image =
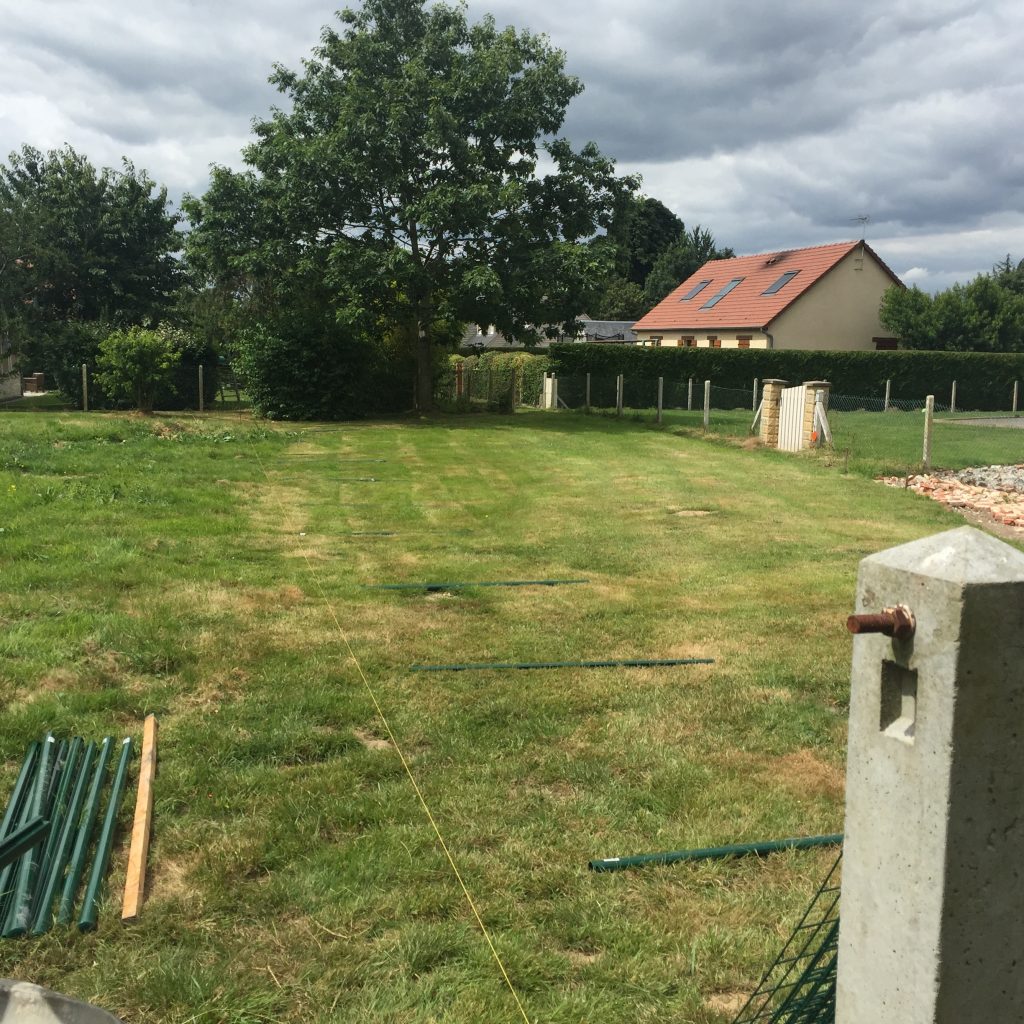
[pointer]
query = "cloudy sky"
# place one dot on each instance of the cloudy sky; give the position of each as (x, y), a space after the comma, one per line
(775, 125)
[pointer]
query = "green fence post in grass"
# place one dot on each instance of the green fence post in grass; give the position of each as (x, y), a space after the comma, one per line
(87, 918)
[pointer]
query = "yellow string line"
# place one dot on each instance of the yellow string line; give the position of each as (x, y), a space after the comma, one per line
(405, 763)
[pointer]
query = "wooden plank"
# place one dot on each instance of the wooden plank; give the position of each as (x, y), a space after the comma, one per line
(135, 882)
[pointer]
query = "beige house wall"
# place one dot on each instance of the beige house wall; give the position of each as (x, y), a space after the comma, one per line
(702, 338)
(838, 312)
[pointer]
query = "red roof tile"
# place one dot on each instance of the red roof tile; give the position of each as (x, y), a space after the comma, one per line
(747, 305)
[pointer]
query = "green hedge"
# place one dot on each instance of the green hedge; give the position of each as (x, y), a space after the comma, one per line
(984, 380)
(526, 370)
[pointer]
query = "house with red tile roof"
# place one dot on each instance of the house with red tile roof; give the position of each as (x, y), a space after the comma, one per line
(824, 297)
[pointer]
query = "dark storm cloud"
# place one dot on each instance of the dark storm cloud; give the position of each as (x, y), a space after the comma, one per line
(774, 125)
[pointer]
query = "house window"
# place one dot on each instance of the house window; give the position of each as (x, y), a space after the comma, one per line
(656, 341)
(743, 341)
(695, 290)
(885, 344)
(721, 294)
(781, 282)
(689, 342)
(714, 342)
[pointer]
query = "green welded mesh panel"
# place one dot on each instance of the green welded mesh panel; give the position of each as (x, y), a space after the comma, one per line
(800, 987)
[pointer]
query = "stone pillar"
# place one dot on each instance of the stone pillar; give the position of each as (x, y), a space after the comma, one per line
(812, 387)
(932, 919)
(771, 396)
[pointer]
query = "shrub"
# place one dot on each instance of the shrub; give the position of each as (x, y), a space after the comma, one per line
(136, 363)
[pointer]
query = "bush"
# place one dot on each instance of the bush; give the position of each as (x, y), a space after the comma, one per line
(136, 363)
(521, 374)
(984, 380)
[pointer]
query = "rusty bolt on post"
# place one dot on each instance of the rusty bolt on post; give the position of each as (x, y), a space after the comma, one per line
(898, 622)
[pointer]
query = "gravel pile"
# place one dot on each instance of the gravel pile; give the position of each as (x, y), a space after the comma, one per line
(993, 492)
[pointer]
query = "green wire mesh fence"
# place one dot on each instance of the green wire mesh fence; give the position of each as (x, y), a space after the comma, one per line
(800, 986)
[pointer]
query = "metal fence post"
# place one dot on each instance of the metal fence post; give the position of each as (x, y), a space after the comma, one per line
(952, 399)
(707, 404)
(888, 395)
(929, 422)
(85, 388)
(202, 396)
(661, 394)
(689, 395)
(587, 403)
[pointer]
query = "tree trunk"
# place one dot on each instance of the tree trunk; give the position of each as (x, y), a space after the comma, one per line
(424, 372)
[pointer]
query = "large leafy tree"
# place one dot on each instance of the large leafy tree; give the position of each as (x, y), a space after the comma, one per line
(80, 248)
(984, 315)
(418, 169)
(690, 251)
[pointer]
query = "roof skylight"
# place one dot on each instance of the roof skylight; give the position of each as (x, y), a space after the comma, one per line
(715, 299)
(695, 290)
(781, 282)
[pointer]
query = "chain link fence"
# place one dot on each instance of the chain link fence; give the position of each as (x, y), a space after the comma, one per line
(873, 434)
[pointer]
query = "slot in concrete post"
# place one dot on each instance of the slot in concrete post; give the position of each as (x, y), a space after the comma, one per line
(689, 395)
(771, 398)
(202, 396)
(85, 388)
(661, 395)
(620, 387)
(932, 914)
(707, 404)
(888, 395)
(952, 398)
(929, 425)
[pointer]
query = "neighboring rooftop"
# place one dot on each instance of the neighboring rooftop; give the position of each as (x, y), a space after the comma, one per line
(749, 291)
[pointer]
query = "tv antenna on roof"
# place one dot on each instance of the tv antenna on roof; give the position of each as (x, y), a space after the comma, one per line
(863, 220)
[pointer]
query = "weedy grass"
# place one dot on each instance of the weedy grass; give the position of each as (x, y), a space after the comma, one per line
(214, 571)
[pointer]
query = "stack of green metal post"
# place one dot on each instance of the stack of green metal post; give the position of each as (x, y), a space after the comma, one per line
(46, 836)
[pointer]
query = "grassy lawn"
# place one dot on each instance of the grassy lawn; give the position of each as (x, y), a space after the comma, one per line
(214, 571)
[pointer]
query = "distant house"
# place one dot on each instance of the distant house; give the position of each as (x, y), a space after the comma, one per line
(825, 297)
(607, 332)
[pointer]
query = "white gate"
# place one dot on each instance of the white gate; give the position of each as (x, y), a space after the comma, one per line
(791, 418)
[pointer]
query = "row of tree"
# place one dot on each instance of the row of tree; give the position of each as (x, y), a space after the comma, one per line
(413, 181)
(985, 315)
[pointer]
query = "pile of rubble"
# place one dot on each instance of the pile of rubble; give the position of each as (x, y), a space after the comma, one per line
(987, 491)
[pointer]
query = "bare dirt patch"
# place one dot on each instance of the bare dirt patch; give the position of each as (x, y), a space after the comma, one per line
(805, 773)
(370, 741)
(727, 1002)
(691, 513)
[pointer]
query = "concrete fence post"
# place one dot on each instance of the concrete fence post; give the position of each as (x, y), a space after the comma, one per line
(707, 404)
(952, 398)
(932, 914)
(661, 395)
(1016, 395)
(620, 387)
(888, 395)
(929, 425)
(753, 406)
(689, 395)
(85, 388)
(587, 401)
(458, 379)
(202, 393)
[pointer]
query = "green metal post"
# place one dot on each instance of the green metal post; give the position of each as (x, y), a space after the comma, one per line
(59, 858)
(715, 852)
(26, 837)
(20, 909)
(13, 814)
(87, 918)
(84, 834)
(56, 812)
